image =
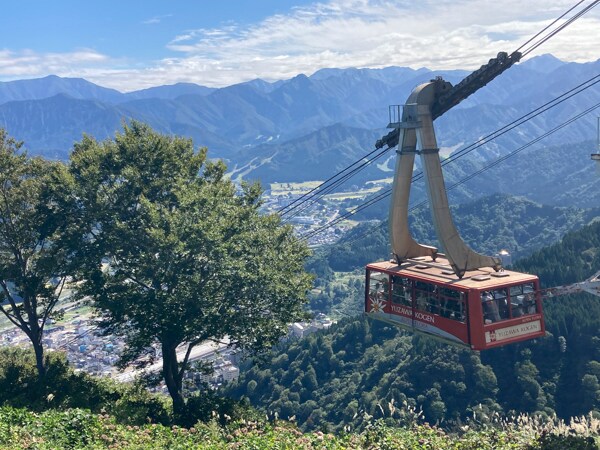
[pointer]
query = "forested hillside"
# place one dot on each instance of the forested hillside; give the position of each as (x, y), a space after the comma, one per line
(575, 258)
(331, 378)
(487, 225)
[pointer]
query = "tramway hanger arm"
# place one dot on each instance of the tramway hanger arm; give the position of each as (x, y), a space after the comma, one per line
(414, 133)
(451, 97)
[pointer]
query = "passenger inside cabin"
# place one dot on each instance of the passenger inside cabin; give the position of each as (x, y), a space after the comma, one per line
(517, 305)
(529, 305)
(400, 293)
(491, 312)
(441, 307)
(382, 290)
(422, 302)
(501, 300)
(373, 292)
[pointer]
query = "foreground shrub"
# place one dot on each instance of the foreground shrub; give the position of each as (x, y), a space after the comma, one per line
(62, 388)
(83, 430)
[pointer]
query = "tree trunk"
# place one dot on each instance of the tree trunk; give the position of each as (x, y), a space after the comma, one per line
(38, 348)
(173, 380)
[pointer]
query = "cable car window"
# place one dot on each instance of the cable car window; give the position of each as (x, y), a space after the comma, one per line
(426, 296)
(451, 304)
(378, 286)
(401, 290)
(522, 300)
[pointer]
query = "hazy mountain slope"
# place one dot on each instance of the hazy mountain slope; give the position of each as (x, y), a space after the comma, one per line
(237, 119)
(487, 225)
(171, 91)
(467, 124)
(41, 88)
(50, 126)
(174, 117)
(314, 156)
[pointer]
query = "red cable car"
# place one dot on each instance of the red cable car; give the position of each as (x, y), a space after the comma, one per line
(483, 309)
(461, 296)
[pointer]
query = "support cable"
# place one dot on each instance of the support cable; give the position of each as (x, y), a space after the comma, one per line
(329, 184)
(387, 192)
(314, 191)
(561, 27)
(325, 190)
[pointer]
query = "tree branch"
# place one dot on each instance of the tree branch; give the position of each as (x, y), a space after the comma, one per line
(140, 283)
(22, 324)
(10, 224)
(62, 285)
(10, 316)
(49, 307)
(191, 345)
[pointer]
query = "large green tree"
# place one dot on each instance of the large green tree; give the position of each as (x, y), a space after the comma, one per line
(34, 264)
(175, 256)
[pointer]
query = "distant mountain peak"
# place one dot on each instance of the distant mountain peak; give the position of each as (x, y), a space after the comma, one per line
(545, 63)
(50, 85)
(300, 81)
(170, 92)
(300, 77)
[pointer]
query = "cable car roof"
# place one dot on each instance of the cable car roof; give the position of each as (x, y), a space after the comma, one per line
(440, 272)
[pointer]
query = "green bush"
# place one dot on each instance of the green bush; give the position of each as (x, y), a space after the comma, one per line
(19, 382)
(62, 388)
(564, 442)
(207, 406)
(79, 429)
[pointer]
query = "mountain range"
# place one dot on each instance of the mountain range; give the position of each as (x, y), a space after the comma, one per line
(307, 127)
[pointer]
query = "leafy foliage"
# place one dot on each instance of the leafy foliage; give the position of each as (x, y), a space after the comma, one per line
(174, 256)
(79, 429)
(34, 262)
(62, 388)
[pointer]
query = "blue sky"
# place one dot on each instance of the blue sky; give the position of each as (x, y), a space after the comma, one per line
(134, 44)
(125, 28)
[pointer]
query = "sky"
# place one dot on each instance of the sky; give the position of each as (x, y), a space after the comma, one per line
(136, 44)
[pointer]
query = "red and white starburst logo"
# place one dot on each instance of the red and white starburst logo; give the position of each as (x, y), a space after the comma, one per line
(377, 305)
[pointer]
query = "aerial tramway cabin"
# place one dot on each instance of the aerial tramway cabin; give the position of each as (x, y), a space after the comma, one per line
(459, 296)
(484, 309)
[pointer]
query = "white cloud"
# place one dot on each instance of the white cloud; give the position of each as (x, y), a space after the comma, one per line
(439, 34)
(28, 64)
(156, 19)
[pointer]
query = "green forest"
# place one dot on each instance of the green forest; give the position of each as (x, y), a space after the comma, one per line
(361, 368)
(488, 225)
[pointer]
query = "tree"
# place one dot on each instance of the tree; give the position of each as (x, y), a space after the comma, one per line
(174, 256)
(33, 225)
